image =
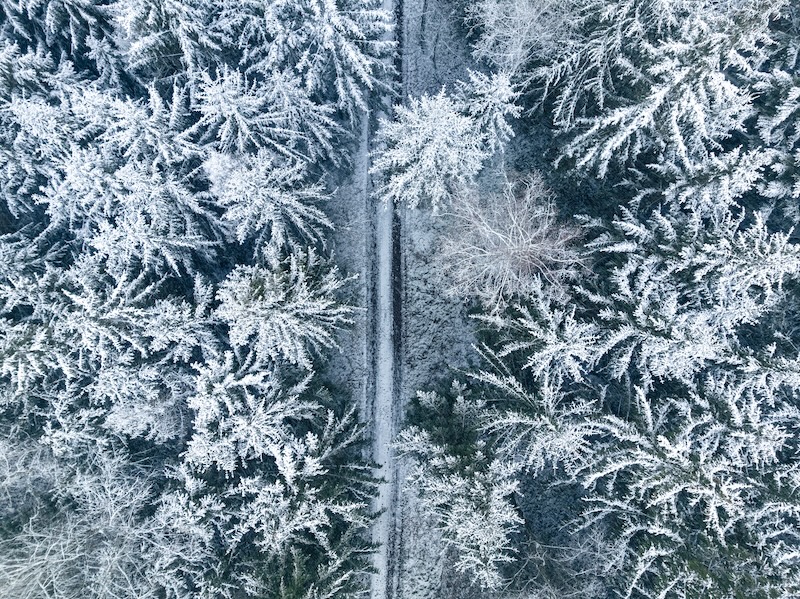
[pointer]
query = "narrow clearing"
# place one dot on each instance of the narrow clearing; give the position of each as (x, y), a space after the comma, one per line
(405, 285)
(385, 344)
(384, 406)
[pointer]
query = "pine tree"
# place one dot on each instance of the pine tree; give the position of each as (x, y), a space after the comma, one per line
(268, 200)
(779, 113)
(636, 83)
(432, 153)
(337, 48)
(467, 492)
(284, 312)
(184, 447)
(659, 385)
(76, 28)
(240, 417)
(243, 115)
(164, 41)
(686, 455)
(288, 491)
(490, 101)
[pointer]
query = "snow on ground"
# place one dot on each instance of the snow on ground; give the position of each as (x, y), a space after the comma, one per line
(437, 336)
(351, 244)
(362, 246)
(385, 408)
(435, 46)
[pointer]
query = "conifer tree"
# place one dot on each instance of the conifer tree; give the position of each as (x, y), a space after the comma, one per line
(432, 153)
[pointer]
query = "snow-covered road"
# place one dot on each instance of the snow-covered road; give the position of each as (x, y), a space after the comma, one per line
(385, 406)
(385, 409)
(405, 284)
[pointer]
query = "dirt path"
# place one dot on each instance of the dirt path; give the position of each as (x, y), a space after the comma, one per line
(385, 409)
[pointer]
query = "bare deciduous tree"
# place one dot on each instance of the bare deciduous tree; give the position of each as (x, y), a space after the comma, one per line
(507, 243)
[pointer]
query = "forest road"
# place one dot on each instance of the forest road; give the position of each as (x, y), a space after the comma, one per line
(385, 410)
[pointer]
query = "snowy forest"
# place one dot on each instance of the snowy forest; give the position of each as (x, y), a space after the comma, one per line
(399, 299)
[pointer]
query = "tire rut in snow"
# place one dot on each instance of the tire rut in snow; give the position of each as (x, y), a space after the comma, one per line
(386, 336)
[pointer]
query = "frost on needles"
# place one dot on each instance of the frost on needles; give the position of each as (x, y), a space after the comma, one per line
(166, 298)
(633, 430)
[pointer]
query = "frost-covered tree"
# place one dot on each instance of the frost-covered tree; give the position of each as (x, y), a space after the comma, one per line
(285, 312)
(306, 123)
(712, 190)
(503, 245)
(95, 165)
(663, 383)
(35, 126)
(164, 434)
(650, 81)
(163, 39)
(339, 48)
(711, 469)
(684, 289)
(288, 491)
(240, 417)
(96, 536)
(490, 101)
(232, 112)
(79, 29)
(429, 154)
(243, 115)
(466, 491)
(690, 456)
(662, 387)
(514, 35)
(268, 200)
(778, 104)
(98, 357)
(147, 130)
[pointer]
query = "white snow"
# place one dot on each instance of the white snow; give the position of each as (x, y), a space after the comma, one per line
(384, 405)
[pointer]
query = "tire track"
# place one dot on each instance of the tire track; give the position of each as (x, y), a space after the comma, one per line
(386, 335)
